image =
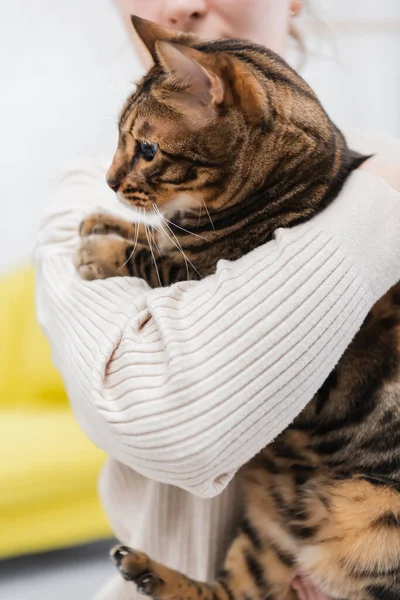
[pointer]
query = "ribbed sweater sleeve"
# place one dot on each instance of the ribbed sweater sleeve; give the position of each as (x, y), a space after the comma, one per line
(185, 384)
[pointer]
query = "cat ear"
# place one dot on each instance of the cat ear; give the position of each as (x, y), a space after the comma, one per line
(195, 69)
(253, 99)
(149, 32)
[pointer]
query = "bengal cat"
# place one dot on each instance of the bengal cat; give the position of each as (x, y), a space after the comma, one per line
(227, 140)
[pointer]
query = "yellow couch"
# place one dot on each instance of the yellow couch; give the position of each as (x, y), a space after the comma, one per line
(48, 469)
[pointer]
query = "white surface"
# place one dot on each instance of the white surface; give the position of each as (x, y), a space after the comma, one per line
(66, 68)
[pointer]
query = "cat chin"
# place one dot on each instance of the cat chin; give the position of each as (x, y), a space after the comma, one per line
(145, 217)
(182, 201)
(140, 215)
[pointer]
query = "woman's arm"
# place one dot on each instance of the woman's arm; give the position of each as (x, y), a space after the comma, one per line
(185, 384)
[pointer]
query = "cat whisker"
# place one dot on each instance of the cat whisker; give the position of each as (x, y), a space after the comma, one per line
(209, 216)
(154, 240)
(152, 254)
(162, 230)
(185, 230)
(176, 244)
(137, 225)
(198, 222)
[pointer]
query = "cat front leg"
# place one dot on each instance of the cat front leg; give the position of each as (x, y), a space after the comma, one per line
(103, 256)
(104, 224)
(250, 573)
(160, 582)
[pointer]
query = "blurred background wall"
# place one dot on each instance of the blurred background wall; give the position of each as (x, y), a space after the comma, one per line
(66, 68)
(354, 61)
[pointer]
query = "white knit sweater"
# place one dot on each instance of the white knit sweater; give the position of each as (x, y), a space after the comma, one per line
(183, 385)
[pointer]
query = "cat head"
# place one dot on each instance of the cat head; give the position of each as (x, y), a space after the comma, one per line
(208, 122)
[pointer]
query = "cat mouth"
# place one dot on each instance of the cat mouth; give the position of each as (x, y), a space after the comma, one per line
(180, 201)
(133, 201)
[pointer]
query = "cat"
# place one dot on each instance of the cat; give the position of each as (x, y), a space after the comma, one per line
(226, 143)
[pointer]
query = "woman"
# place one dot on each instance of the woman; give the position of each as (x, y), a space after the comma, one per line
(182, 386)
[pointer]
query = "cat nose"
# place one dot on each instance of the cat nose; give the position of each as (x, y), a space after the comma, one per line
(113, 184)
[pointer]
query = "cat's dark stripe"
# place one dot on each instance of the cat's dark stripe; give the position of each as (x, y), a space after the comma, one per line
(148, 267)
(135, 198)
(357, 571)
(145, 268)
(199, 162)
(381, 592)
(256, 571)
(161, 273)
(190, 175)
(128, 260)
(306, 468)
(199, 588)
(300, 477)
(389, 322)
(375, 480)
(156, 172)
(388, 519)
(384, 467)
(142, 91)
(299, 513)
(302, 531)
(389, 442)
(269, 464)
(325, 391)
(283, 556)
(248, 529)
(285, 450)
(223, 583)
(332, 445)
(355, 416)
(277, 497)
(174, 270)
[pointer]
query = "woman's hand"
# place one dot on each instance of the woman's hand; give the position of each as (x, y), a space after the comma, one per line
(386, 169)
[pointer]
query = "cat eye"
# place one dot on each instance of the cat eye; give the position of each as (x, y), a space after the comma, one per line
(147, 151)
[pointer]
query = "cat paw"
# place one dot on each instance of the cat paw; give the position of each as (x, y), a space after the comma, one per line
(102, 256)
(135, 566)
(104, 224)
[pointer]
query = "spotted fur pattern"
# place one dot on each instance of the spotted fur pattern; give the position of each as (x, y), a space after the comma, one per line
(229, 142)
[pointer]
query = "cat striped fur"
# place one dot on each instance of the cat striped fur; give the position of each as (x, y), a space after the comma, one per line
(225, 143)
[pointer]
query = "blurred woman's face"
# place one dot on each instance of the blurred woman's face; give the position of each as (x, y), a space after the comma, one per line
(262, 21)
